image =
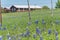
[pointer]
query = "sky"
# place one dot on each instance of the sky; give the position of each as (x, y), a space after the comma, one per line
(7, 3)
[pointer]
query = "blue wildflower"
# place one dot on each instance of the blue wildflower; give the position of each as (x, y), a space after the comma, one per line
(4, 28)
(0, 28)
(56, 37)
(14, 27)
(9, 38)
(34, 36)
(29, 23)
(22, 34)
(0, 37)
(27, 33)
(57, 21)
(56, 33)
(37, 31)
(41, 38)
(36, 22)
(8, 35)
(49, 31)
(27, 29)
(43, 22)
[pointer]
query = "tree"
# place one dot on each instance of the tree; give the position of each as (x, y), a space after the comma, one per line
(45, 7)
(58, 4)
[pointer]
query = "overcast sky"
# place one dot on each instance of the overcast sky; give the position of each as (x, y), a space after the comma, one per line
(7, 3)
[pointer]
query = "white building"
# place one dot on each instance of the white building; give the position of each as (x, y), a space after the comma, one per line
(24, 7)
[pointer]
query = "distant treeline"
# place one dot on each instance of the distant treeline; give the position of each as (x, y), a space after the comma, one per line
(5, 10)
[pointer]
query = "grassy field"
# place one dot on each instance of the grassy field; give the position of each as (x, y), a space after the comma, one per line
(15, 24)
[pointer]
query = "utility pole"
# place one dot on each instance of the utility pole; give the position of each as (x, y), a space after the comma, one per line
(0, 15)
(29, 11)
(52, 8)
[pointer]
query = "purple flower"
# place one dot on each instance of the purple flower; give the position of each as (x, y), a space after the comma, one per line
(22, 34)
(43, 22)
(14, 27)
(36, 22)
(27, 29)
(27, 33)
(0, 37)
(4, 28)
(8, 35)
(57, 21)
(9, 38)
(37, 30)
(56, 33)
(56, 37)
(29, 23)
(41, 38)
(0, 28)
(49, 31)
(34, 36)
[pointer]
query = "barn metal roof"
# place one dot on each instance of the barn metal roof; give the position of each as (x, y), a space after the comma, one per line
(26, 6)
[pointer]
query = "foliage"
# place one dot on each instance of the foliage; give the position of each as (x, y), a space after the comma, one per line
(58, 4)
(45, 7)
(5, 10)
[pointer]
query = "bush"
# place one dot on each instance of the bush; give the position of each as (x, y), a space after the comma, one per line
(45, 7)
(58, 4)
(5, 10)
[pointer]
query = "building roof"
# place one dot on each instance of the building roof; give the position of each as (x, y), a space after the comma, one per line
(26, 6)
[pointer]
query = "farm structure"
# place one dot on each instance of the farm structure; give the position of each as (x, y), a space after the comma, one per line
(23, 8)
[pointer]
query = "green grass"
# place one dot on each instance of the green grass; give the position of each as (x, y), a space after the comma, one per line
(20, 20)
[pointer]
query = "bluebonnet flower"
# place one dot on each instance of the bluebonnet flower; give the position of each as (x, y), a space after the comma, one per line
(27, 29)
(0, 37)
(27, 33)
(34, 35)
(49, 31)
(8, 35)
(57, 21)
(36, 22)
(29, 23)
(0, 28)
(4, 28)
(41, 38)
(56, 33)
(22, 34)
(43, 22)
(14, 27)
(56, 37)
(38, 31)
(9, 38)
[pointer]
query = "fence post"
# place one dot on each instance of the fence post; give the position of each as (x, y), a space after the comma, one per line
(0, 15)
